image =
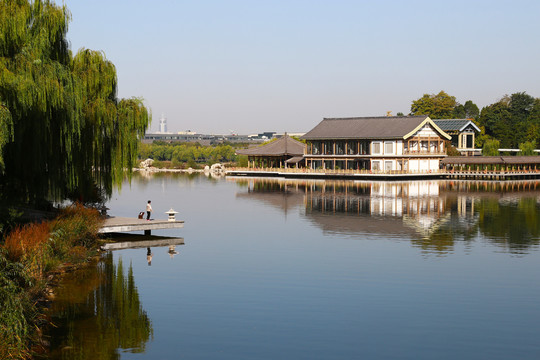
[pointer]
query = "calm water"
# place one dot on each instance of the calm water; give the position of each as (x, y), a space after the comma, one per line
(315, 270)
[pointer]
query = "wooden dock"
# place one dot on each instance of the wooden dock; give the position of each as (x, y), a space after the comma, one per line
(124, 224)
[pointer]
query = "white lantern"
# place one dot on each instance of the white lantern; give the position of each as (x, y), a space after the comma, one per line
(172, 214)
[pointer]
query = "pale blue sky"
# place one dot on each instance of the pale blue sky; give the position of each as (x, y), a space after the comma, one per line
(252, 66)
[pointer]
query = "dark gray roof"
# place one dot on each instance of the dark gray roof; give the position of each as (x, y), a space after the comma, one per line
(454, 124)
(503, 160)
(381, 127)
(295, 160)
(284, 145)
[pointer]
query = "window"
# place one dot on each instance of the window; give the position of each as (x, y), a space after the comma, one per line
(388, 148)
(376, 146)
(328, 148)
(340, 148)
(352, 147)
(316, 148)
(470, 142)
(376, 165)
(388, 165)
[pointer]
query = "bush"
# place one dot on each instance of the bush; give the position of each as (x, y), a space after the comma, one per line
(27, 254)
(28, 245)
(16, 309)
(77, 226)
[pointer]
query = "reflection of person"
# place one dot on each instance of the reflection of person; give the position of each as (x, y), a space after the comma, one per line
(149, 256)
(148, 209)
(172, 251)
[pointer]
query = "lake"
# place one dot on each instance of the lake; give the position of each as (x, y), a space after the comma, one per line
(274, 268)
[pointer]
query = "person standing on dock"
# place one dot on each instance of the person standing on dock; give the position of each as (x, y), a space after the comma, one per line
(148, 209)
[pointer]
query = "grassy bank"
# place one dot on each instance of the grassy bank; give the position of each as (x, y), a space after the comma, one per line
(29, 255)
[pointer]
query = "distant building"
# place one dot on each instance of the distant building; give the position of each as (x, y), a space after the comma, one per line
(203, 139)
(163, 124)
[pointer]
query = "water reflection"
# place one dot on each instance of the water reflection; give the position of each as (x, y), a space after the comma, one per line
(434, 215)
(96, 312)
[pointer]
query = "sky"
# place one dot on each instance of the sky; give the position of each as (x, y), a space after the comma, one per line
(248, 66)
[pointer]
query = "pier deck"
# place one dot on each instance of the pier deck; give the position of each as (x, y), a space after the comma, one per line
(116, 224)
(351, 175)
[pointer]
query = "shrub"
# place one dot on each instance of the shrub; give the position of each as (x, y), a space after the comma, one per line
(28, 245)
(16, 309)
(76, 226)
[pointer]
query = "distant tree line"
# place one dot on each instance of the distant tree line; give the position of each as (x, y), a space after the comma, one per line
(189, 154)
(512, 122)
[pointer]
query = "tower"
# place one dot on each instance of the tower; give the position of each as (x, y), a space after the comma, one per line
(162, 124)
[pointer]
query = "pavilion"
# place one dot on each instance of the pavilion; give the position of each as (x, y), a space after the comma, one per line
(282, 152)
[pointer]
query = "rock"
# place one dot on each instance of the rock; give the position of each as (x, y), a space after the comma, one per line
(218, 168)
(146, 163)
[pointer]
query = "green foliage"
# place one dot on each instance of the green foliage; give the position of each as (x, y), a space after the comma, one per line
(443, 106)
(491, 147)
(188, 154)
(467, 111)
(527, 148)
(16, 309)
(436, 106)
(242, 161)
(512, 120)
(26, 256)
(451, 150)
(61, 109)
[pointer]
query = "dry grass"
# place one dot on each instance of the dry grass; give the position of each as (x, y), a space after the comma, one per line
(28, 245)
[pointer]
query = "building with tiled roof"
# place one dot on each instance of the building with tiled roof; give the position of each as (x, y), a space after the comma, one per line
(388, 143)
(463, 133)
(277, 153)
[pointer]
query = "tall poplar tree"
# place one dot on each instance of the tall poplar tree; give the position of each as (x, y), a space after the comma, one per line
(63, 130)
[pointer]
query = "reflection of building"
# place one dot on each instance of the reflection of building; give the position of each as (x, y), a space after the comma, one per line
(433, 215)
(377, 207)
(390, 143)
(418, 204)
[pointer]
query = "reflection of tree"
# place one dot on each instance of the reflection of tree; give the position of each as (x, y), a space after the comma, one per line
(454, 228)
(98, 311)
(513, 224)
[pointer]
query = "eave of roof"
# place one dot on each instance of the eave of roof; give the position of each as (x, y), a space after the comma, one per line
(454, 124)
(432, 123)
(280, 147)
(382, 127)
(478, 160)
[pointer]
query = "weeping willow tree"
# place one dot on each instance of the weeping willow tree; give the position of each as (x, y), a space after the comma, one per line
(63, 130)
